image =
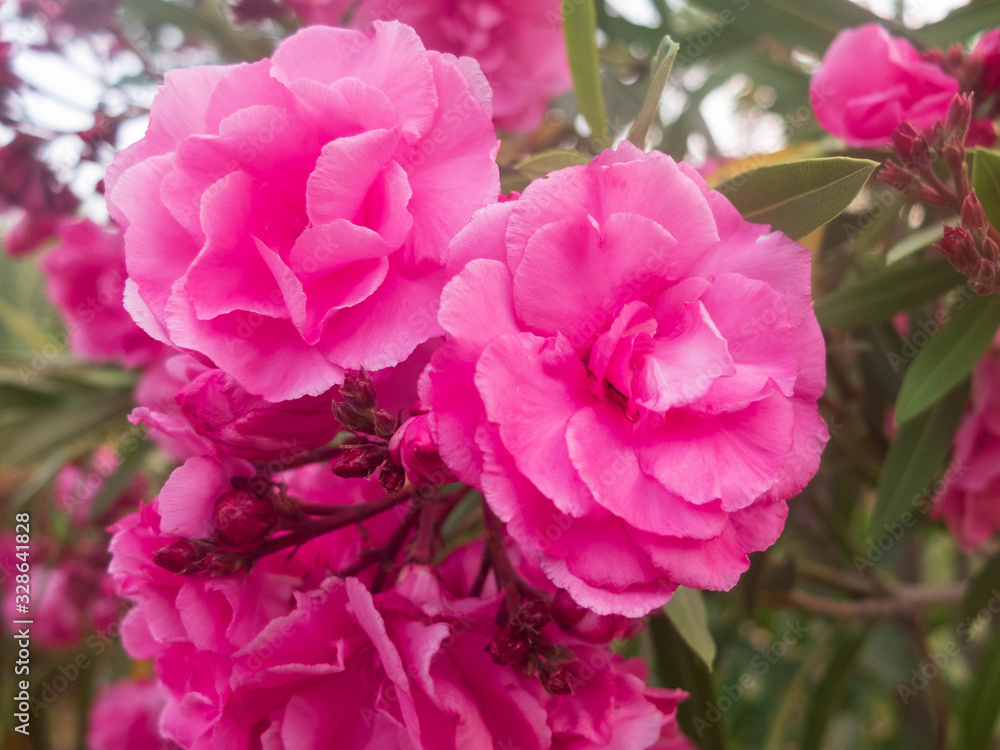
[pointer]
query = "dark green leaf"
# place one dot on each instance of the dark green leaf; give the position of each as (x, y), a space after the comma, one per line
(799, 196)
(663, 63)
(982, 587)
(986, 181)
(882, 295)
(686, 610)
(982, 703)
(580, 28)
(824, 698)
(915, 457)
(680, 667)
(912, 243)
(949, 356)
(961, 24)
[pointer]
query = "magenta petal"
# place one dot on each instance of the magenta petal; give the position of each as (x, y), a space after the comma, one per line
(531, 387)
(188, 498)
(752, 444)
(635, 318)
(603, 448)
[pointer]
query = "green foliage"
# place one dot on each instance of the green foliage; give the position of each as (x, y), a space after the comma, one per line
(686, 611)
(986, 182)
(800, 196)
(580, 27)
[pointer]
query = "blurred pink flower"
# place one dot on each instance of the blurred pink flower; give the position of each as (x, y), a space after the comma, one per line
(968, 498)
(870, 82)
(85, 276)
(631, 377)
(125, 716)
(290, 219)
(519, 46)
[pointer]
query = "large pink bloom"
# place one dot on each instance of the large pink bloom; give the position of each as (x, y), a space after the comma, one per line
(520, 46)
(870, 82)
(289, 219)
(631, 377)
(124, 717)
(85, 276)
(969, 499)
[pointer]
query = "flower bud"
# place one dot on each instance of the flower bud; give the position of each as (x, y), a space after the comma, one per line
(353, 420)
(973, 216)
(911, 147)
(182, 556)
(413, 447)
(391, 477)
(959, 116)
(384, 423)
(358, 391)
(242, 519)
(960, 249)
(223, 563)
(359, 461)
(556, 680)
(535, 614)
(509, 645)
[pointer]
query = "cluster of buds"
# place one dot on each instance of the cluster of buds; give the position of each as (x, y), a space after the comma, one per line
(977, 73)
(519, 643)
(369, 452)
(972, 247)
(242, 520)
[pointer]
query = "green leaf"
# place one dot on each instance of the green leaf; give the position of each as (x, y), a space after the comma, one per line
(540, 164)
(799, 196)
(686, 610)
(961, 24)
(949, 356)
(663, 63)
(913, 243)
(883, 294)
(824, 698)
(580, 28)
(982, 703)
(680, 667)
(796, 23)
(982, 587)
(915, 457)
(986, 181)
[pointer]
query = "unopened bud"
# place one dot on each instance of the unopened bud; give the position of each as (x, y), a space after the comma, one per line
(385, 424)
(242, 519)
(556, 680)
(899, 179)
(959, 116)
(509, 645)
(534, 614)
(960, 249)
(359, 461)
(222, 563)
(353, 420)
(358, 390)
(973, 216)
(391, 477)
(911, 147)
(182, 556)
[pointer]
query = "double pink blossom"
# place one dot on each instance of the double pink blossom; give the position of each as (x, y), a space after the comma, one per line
(631, 377)
(289, 219)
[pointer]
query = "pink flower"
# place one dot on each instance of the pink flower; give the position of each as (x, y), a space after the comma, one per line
(408, 668)
(967, 500)
(870, 82)
(77, 487)
(519, 46)
(289, 219)
(631, 377)
(986, 54)
(413, 448)
(86, 280)
(125, 715)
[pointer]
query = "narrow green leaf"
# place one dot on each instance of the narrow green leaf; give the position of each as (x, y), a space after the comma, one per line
(915, 457)
(540, 164)
(679, 666)
(883, 294)
(961, 23)
(913, 243)
(663, 63)
(949, 356)
(686, 610)
(986, 181)
(824, 698)
(799, 196)
(580, 29)
(982, 703)
(982, 587)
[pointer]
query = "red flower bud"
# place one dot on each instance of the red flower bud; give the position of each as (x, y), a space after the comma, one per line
(182, 556)
(222, 563)
(509, 645)
(959, 116)
(911, 147)
(359, 461)
(556, 680)
(973, 216)
(391, 477)
(358, 391)
(534, 614)
(960, 249)
(385, 424)
(242, 519)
